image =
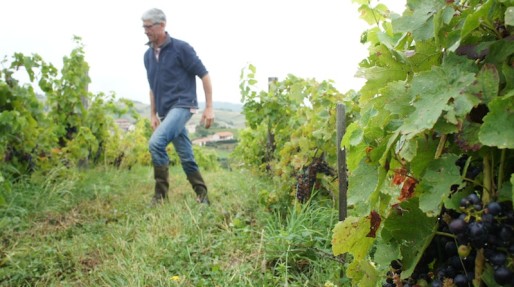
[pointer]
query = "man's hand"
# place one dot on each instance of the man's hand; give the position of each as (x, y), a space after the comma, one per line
(154, 121)
(207, 117)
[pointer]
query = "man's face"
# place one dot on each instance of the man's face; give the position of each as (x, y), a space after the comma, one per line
(153, 30)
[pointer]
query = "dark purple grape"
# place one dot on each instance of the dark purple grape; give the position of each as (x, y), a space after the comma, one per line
(488, 219)
(493, 240)
(509, 216)
(473, 198)
(455, 262)
(450, 248)
(461, 162)
(450, 271)
(436, 283)
(506, 234)
(478, 234)
(464, 202)
(473, 172)
(488, 253)
(502, 275)
(463, 238)
(458, 226)
(498, 259)
(494, 208)
(460, 280)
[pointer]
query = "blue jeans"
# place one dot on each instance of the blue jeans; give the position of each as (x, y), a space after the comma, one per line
(173, 129)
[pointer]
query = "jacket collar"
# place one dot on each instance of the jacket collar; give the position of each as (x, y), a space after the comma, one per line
(166, 42)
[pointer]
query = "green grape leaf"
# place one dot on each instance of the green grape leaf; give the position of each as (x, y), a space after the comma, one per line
(506, 191)
(386, 254)
(397, 98)
(407, 149)
(363, 274)
(377, 78)
(500, 50)
(488, 276)
(473, 20)
(435, 185)
(508, 73)
(411, 229)
(488, 82)
(419, 164)
(349, 236)
(425, 55)
(362, 183)
(468, 136)
(372, 15)
(432, 92)
(423, 11)
(353, 135)
(509, 16)
(453, 202)
(497, 129)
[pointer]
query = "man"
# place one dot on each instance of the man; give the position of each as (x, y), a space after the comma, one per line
(172, 67)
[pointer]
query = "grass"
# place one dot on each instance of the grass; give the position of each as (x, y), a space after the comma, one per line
(95, 228)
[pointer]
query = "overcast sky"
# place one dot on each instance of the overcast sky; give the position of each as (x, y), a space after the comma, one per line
(306, 38)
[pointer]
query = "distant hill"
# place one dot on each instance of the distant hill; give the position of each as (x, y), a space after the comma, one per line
(224, 106)
(226, 114)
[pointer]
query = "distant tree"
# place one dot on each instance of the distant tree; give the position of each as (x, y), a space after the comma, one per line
(201, 131)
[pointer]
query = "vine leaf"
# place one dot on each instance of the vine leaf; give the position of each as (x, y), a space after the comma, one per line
(411, 231)
(363, 274)
(506, 192)
(509, 16)
(488, 82)
(420, 23)
(500, 51)
(362, 183)
(386, 254)
(435, 186)
(497, 129)
(432, 92)
(473, 20)
(350, 236)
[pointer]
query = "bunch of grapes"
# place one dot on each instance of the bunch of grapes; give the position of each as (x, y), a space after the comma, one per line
(304, 185)
(464, 235)
(488, 228)
(306, 179)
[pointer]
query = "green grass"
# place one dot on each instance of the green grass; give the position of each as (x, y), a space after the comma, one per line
(96, 228)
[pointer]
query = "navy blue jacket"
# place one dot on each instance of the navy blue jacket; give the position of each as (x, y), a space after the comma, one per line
(172, 78)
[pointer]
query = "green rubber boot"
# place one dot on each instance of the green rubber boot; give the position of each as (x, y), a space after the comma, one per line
(161, 176)
(199, 187)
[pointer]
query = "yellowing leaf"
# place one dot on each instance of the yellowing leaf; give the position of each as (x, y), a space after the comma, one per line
(350, 236)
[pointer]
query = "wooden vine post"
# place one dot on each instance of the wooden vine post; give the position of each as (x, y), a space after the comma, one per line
(341, 170)
(341, 162)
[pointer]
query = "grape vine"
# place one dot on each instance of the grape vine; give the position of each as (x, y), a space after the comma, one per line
(431, 150)
(53, 120)
(289, 133)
